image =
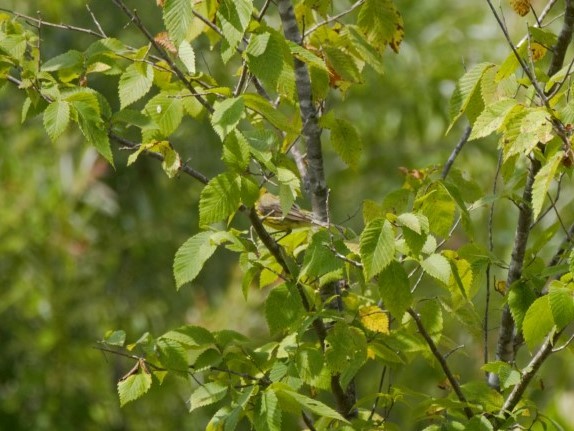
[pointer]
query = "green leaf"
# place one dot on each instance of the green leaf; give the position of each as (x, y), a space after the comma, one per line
(283, 307)
(346, 142)
(187, 56)
(191, 256)
(306, 56)
(191, 336)
(538, 322)
(115, 338)
(511, 63)
(178, 17)
(507, 375)
(56, 118)
(366, 50)
(171, 161)
(415, 222)
(431, 315)
(131, 117)
(268, 412)
(233, 16)
(135, 83)
(207, 394)
(437, 266)
(276, 118)
(264, 56)
(381, 23)
(315, 406)
(87, 107)
(371, 211)
(394, 288)
(172, 355)
(466, 87)
(68, 60)
(524, 128)
(208, 358)
(219, 199)
(439, 207)
(346, 351)
(133, 387)
(491, 118)
(166, 109)
(561, 303)
(343, 64)
(520, 297)
(461, 282)
(377, 246)
(543, 180)
(319, 258)
(14, 45)
(236, 151)
(309, 363)
(226, 115)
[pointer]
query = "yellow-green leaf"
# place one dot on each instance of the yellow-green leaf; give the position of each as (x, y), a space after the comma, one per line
(374, 319)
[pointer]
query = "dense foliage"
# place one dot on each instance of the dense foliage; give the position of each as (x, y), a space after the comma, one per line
(416, 288)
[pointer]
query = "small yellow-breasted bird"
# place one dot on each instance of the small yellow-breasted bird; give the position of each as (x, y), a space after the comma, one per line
(268, 207)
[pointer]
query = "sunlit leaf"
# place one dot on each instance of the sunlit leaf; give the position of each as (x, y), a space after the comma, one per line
(226, 115)
(56, 118)
(178, 16)
(377, 245)
(374, 319)
(134, 386)
(538, 322)
(543, 180)
(135, 83)
(206, 394)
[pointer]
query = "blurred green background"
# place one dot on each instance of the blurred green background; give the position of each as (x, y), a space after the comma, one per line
(85, 248)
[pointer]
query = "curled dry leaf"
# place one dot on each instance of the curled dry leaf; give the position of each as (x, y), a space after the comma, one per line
(521, 7)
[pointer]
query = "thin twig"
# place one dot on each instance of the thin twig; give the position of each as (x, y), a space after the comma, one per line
(308, 421)
(442, 361)
(263, 10)
(179, 73)
(376, 402)
(35, 22)
(208, 23)
(183, 167)
(463, 140)
(96, 22)
(488, 266)
(550, 207)
(332, 18)
(563, 346)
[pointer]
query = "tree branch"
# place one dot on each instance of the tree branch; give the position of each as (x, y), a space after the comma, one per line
(564, 39)
(179, 73)
(506, 339)
(311, 130)
(442, 361)
(463, 140)
(311, 133)
(36, 22)
(531, 369)
(183, 168)
(505, 346)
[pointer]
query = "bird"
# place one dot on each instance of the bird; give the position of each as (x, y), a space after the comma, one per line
(268, 207)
